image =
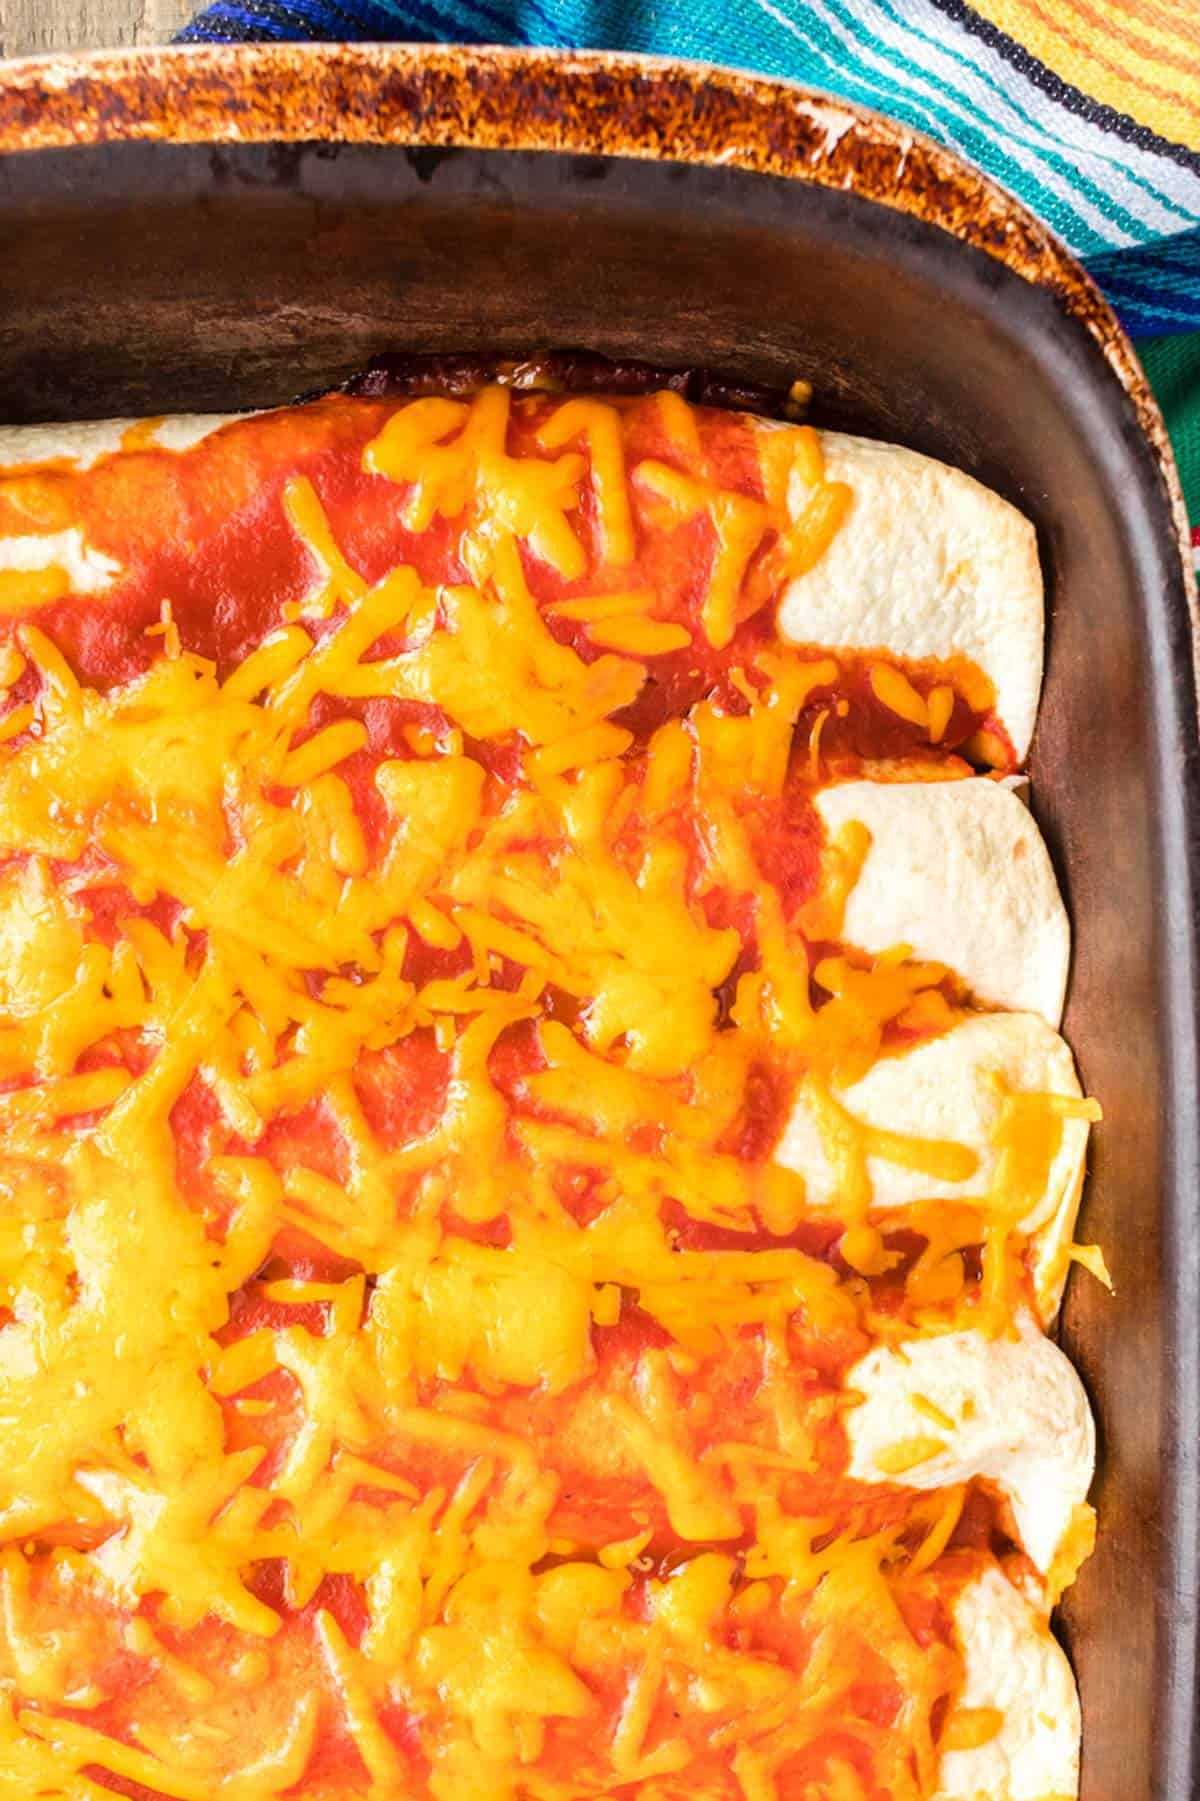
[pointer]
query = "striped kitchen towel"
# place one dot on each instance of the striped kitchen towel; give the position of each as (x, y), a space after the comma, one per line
(1089, 110)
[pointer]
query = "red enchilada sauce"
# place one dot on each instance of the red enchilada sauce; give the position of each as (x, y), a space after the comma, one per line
(416, 830)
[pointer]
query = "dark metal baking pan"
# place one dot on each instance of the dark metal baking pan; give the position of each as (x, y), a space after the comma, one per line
(220, 228)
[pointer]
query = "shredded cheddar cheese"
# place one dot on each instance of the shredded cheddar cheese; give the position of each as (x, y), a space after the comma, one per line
(417, 1377)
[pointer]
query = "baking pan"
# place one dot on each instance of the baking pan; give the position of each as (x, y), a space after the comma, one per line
(221, 228)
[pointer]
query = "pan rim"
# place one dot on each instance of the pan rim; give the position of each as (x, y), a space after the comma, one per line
(599, 103)
(357, 93)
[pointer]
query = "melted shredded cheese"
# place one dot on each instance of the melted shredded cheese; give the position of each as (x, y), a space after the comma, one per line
(387, 1193)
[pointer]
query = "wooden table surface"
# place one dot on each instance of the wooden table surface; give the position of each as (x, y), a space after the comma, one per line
(30, 25)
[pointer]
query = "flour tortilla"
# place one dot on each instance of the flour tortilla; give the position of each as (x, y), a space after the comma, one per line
(84, 442)
(82, 445)
(958, 871)
(87, 569)
(927, 563)
(946, 1088)
(1014, 1664)
(1019, 1418)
